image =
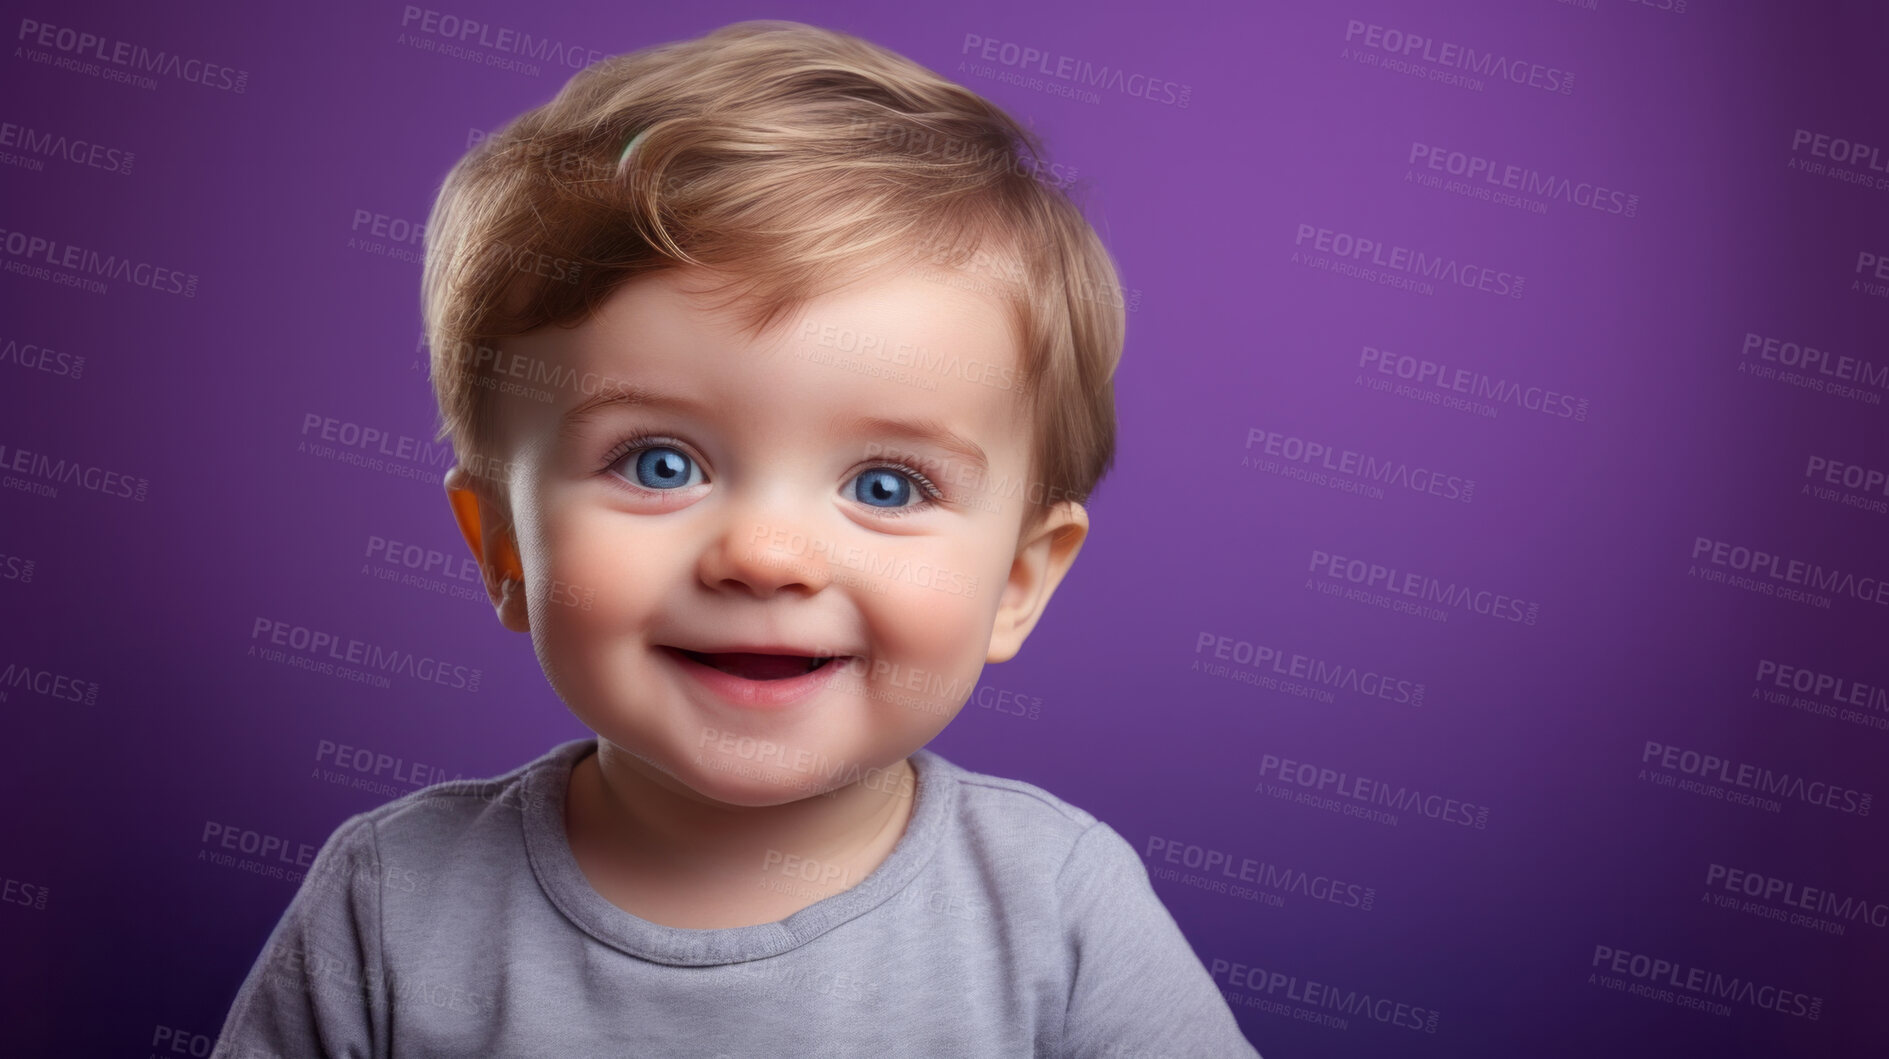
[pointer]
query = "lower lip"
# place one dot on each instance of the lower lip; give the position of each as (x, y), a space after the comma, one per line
(755, 694)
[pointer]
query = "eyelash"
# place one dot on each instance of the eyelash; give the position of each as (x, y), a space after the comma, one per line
(931, 494)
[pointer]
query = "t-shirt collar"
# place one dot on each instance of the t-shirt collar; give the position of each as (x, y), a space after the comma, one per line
(548, 845)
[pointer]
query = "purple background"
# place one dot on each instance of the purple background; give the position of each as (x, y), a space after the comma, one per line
(146, 606)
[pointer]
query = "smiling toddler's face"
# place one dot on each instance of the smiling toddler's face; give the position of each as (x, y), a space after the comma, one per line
(847, 489)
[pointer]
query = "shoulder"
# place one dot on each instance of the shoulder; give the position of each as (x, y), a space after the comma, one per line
(450, 821)
(1021, 822)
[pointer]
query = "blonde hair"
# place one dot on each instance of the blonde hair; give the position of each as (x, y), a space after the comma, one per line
(789, 159)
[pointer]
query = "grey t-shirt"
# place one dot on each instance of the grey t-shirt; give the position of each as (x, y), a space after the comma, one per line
(455, 921)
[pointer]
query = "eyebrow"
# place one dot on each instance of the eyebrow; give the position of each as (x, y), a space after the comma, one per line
(926, 430)
(624, 395)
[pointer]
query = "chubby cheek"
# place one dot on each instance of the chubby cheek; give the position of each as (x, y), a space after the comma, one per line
(929, 623)
(591, 595)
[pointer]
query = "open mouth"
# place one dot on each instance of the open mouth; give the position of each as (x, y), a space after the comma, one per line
(750, 666)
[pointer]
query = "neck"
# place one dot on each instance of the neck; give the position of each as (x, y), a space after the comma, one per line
(645, 821)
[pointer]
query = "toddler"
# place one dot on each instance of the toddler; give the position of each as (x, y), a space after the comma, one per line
(777, 370)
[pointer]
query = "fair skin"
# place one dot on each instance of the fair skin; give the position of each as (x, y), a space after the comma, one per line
(773, 506)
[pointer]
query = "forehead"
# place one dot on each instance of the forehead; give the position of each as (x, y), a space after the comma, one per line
(675, 307)
(893, 345)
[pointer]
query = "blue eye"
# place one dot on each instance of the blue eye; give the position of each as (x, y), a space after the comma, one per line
(662, 467)
(881, 487)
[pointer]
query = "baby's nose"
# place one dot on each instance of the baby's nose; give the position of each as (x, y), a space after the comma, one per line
(763, 554)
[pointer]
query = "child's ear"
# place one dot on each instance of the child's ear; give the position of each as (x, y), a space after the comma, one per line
(1043, 557)
(485, 522)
